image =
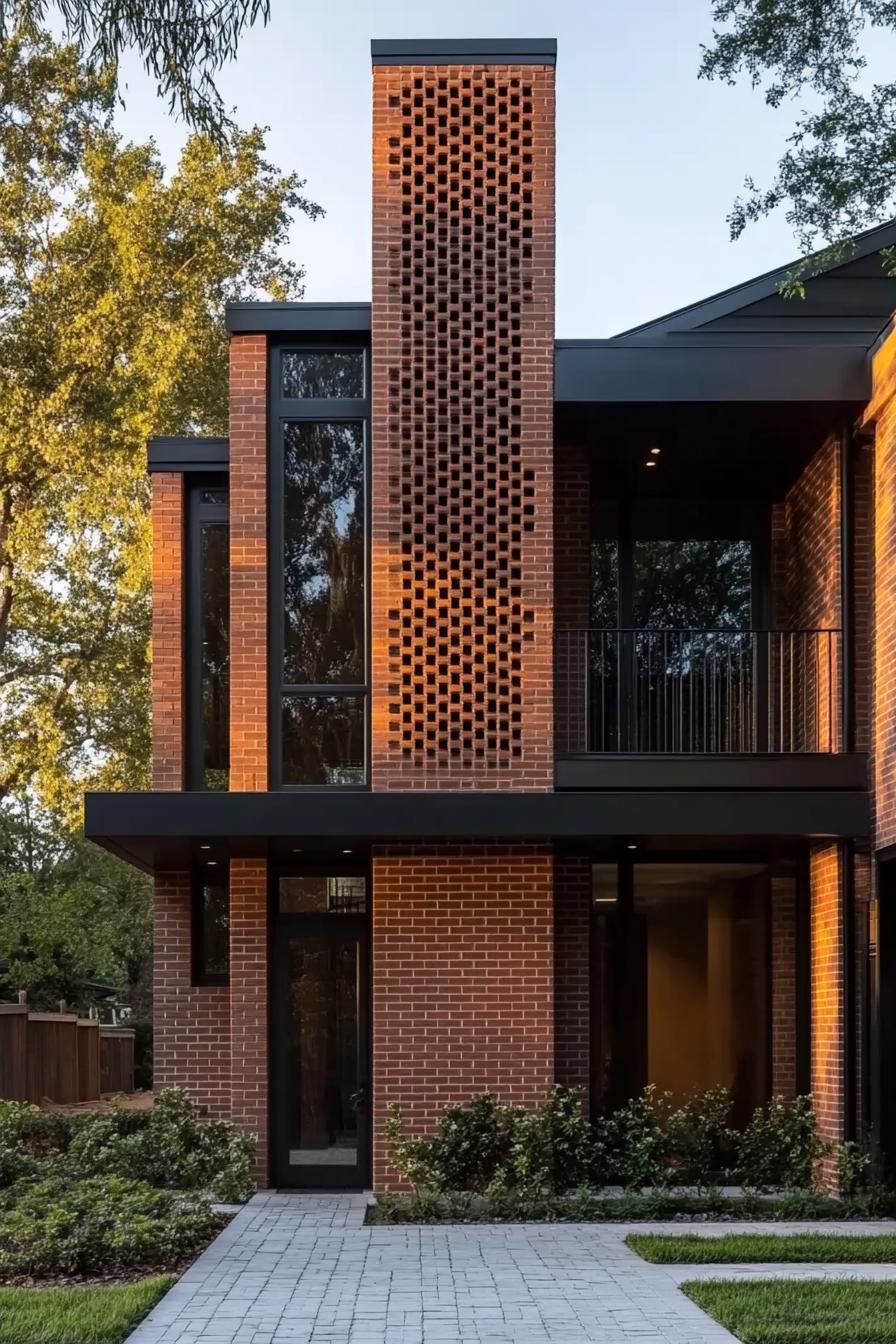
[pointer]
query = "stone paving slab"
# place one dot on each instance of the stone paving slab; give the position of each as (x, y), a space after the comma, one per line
(304, 1269)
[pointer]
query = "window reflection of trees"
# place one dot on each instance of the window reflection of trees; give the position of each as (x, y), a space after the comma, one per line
(215, 589)
(324, 553)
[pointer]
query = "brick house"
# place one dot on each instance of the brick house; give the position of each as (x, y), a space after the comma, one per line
(522, 707)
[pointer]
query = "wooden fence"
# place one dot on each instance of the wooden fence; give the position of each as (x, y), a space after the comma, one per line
(61, 1057)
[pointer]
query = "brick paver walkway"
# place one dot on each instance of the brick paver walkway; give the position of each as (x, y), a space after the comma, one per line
(303, 1269)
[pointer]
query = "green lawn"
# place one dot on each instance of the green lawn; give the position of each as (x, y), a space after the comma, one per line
(77, 1315)
(808, 1312)
(737, 1248)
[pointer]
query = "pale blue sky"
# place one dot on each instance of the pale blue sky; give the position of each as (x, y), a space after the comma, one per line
(649, 157)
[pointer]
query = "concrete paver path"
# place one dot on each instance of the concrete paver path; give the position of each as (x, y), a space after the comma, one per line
(304, 1269)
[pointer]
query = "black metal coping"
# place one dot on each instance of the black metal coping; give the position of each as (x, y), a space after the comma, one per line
(187, 454)
(464, 51)
(299, 317)
(621, 371)
(157, 829)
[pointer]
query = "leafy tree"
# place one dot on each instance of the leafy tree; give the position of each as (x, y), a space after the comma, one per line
(113, 280)
(838, 174)
(182, 43)
(70, 916)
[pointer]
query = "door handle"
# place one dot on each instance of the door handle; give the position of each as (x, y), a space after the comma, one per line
(358, 1099)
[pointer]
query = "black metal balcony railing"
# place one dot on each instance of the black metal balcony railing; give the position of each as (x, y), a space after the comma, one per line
(705, 691)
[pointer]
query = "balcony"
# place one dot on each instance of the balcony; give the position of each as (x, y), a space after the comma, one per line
(719, 706)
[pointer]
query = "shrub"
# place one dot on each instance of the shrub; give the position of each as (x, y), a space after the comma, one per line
(698, 1133)
(552, 1147)
(173, 1148)
(780, 1147)
(631, 1147)
(470, 1146)
(97, 1226)
(585, 1206)
(853, 1168)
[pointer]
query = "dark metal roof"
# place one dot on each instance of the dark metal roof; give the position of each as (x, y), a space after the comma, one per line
(187, 453)
(304, 317)
(616, 371)
(854, 296)
(464, 51)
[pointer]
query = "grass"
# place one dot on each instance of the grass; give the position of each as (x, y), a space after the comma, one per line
(822, 1248)
(806, 1312)
(104, 1315)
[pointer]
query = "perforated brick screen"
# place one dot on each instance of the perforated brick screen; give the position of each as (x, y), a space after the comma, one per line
(462, 393)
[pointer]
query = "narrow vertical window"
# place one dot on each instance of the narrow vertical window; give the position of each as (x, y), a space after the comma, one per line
(209, 660)
(211, 927)
(320, 451)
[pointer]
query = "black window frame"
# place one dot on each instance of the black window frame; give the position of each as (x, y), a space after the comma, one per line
(283, 410)
(198, 513)
(200, 975)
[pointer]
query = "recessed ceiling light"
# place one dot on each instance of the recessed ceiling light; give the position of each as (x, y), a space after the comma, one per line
(205, 846)
(346, 851)
(212, 863)
(297, 850)
(631, 846)
(650, 463)
(654, 452)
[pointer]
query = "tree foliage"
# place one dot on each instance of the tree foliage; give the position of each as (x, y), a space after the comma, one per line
(71, 916)
(182, 43)
(113, 281)
(837, 175)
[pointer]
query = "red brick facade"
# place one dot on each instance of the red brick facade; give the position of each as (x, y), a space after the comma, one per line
(462, 423)
(167, 630)
(463, 981)
(191, 1038)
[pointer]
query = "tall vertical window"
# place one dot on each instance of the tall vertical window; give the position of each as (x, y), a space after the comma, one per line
(209, 642)
(319, 425)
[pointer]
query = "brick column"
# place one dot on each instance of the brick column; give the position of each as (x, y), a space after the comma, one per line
(248, 734)
(827, 996)
(167, 631)
(248, 564)
(806, 546)
(783, 972)
(191, 1023)
(462, 426)
(572, 972)
(249, 1003)
(462, 981)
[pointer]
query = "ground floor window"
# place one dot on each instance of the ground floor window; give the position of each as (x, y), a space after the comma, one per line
(684, 968)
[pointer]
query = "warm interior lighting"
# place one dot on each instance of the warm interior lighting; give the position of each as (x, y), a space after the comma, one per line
(654, 452)
(650, 462)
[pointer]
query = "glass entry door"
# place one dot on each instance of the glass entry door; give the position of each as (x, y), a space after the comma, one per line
(319, 1043)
